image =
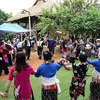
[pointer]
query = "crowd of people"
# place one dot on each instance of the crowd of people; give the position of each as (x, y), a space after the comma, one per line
(9, 49)
(82, 50)
(77, 49)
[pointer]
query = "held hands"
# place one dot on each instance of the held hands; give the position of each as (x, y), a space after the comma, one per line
(65, 63)
(1, 94)
(4, 95)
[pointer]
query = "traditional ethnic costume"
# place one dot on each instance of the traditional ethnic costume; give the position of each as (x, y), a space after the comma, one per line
(4, 50)
(48, 73)
(95, 84)
(78, 80)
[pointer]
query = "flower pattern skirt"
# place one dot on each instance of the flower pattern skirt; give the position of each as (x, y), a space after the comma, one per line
(77, 87)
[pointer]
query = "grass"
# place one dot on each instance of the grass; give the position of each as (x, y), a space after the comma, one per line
(65, 78)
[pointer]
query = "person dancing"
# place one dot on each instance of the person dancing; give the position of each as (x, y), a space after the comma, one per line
(48, 72)
(95, 82)
(20, 72)
(78, 82)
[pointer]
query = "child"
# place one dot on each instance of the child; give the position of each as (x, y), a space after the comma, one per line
(79, 77)
(21, 74)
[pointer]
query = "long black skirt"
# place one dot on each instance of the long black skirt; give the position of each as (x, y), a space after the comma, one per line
(94, 91)
(49, 94)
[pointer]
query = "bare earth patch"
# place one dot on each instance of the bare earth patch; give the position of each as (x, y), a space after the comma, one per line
(35, 61)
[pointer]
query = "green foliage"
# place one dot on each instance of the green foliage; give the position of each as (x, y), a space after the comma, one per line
(56, 18)
(75, 16)
(76, 6)
(4, 16)
(88, 22)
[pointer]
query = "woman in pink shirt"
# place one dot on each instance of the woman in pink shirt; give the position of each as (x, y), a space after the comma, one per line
(21, 74)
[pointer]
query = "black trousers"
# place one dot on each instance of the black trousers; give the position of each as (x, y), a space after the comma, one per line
(9, 59)
(3, 66)
(28, 51)
(52, 51)
(39, 51)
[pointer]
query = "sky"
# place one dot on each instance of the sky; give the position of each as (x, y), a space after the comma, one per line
(16, 6)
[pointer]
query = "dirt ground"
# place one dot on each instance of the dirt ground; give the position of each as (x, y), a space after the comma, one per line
(35, 61)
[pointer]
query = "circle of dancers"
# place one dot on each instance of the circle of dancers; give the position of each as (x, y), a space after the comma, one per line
(79, 49)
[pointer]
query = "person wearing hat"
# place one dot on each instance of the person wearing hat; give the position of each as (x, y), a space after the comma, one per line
(48, 72)
(95, 82)
(3, 57)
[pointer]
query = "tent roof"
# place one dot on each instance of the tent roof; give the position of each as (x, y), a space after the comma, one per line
(35, 10)
(12, 27)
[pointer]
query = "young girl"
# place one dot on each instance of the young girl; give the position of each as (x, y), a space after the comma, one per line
(79, 77)
(21, 74)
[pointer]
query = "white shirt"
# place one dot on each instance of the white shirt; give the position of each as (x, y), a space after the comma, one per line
(88, 46)
(28, 43)
(19, 45)
(39, 43)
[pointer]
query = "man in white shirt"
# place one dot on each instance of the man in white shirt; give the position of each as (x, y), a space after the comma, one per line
(28, 47)
(40, 47)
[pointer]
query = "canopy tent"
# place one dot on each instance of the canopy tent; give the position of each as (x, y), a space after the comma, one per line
(12, 28)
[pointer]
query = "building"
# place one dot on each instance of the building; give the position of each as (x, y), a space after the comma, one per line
(32, 12)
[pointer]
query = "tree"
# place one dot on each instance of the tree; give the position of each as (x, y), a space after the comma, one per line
(87, 23)
(4, 16)
(68, 16)
(76, 6)
(56, 18)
